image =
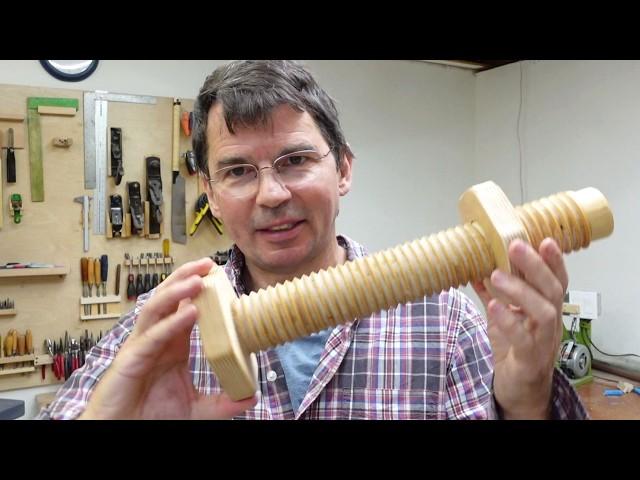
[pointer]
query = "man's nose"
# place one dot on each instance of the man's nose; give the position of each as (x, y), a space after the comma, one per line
(272, 192)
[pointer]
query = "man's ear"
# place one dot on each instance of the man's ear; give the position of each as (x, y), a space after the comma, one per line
(211, 197)
(346, 164)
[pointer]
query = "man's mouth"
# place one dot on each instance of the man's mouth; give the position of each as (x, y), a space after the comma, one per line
(281, 227)
(286, 226)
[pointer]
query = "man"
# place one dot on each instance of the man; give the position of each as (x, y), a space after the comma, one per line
(275, 163)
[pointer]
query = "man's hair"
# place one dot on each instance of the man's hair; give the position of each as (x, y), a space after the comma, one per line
(250, 90)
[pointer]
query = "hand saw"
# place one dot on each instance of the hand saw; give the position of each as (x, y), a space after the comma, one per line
(178, 217)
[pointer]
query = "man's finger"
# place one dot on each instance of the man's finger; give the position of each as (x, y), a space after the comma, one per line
(198, 267)
(537, 273)
(146, 346)
(514, 290)
(510, 325)
(551, 253)
(166, 302)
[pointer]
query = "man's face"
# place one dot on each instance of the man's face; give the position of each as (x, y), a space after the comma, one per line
(307, 213)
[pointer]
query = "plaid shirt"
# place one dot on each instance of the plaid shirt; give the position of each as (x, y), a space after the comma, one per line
(429, 359)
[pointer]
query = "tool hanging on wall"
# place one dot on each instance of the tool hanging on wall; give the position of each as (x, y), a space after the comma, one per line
(154, 194)
(62, 142)
(131, 288)
(97, 279)
(135, 208)
(15, 207)
(155, 278)
(90, 278)
(117, 165)
(84, 271)
(190, 161)
(7, 304)
(84, 200)
(104, 272)
(95, 147)
(139, 278)
(37, 106)
(202, 211)
(16, 122)
(166, 246)
(186, 121)
(178, 216)
(116, 215)
(147, 276)
(117, 286)
(11, 158)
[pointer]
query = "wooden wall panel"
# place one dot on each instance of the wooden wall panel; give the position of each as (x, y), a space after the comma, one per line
(51, 231)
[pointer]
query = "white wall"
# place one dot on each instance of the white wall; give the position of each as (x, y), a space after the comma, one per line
(410, 124)
(579, 127)
(165, 78)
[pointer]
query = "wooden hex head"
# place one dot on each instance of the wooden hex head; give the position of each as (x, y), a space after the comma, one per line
(236, 370)
(487, 204)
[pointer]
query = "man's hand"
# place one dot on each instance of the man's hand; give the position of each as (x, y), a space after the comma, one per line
(150, 377)
(525, 327)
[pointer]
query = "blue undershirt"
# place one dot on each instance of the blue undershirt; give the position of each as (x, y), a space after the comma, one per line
(299, 359)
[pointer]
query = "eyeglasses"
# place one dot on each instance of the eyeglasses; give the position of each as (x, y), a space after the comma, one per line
(291, 170)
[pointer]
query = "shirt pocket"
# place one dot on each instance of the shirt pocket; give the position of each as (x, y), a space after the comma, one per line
(390, 404)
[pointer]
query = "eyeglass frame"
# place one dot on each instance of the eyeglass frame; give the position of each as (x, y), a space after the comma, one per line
(273, 166)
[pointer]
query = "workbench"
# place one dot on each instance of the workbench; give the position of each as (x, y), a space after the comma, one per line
(625, 407)
(11, 409)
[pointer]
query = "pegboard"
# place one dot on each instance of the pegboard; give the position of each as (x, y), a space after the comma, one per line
(51, 231)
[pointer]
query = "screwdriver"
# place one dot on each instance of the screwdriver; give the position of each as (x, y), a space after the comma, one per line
(139, 284)
(28, 342)
(97, 270)
(166, 244)
(147, 277)
(117, 289)
(84, 273)
(131, 289)
(90, 278)
(104, 271)
(11, 158)
(154, 279)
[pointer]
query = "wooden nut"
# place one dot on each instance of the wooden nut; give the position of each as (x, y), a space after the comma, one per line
(487, 204)
(237, 370)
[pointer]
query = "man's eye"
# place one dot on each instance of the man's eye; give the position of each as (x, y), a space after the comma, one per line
(295, 161)
(237, 172)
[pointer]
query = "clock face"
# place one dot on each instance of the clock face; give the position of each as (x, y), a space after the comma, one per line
(70, 70)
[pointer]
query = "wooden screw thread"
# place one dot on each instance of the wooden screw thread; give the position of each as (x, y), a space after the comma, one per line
(339, 294)
(429, 265)
(558, 216)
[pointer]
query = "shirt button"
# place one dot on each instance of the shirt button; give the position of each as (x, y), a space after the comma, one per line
(272, 375)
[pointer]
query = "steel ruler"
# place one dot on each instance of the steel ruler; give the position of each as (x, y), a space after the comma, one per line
(96, 106)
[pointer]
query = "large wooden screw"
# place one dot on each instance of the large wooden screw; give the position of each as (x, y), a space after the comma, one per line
(233, 328)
